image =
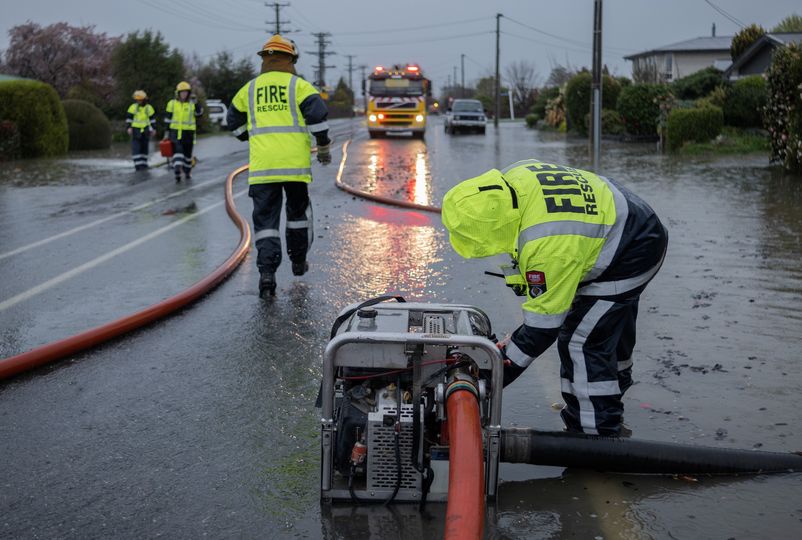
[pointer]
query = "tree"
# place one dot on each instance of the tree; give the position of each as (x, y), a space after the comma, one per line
(486, 93)
(523, 78)
(341, 104)
(145, 61)
(222, 77)
(559, 75)
(71, 59)
(792, 23)
(744, 39)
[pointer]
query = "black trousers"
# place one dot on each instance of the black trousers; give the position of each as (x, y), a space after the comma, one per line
(267, 200)
(182, 153)
(140, 142)
(595, 344)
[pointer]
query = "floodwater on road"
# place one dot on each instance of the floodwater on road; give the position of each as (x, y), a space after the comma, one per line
(204, 424)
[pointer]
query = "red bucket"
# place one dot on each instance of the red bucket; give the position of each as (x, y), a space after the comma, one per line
(166, 148)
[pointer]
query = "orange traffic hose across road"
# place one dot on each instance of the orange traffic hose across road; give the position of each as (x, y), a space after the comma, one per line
(90, 338)
(372, 197)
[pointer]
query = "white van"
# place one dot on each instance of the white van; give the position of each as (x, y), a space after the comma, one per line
(217, 111)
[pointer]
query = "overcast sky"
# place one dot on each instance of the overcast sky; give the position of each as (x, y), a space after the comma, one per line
(431, 33)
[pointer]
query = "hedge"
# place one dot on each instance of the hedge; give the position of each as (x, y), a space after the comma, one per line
(9, 141)
(89, 127)
(745, 102)
(37, 111)
(611, 121)
(784, 106)
(578, 94)
(639, 108)
(699, 125)
(697, 85)
(531, 120)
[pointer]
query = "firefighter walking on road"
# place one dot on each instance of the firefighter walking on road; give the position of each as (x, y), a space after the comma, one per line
(141, 122)
(180, 115)
(583, 249)
(275, 112)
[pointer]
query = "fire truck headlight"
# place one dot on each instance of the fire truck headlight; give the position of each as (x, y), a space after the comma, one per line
(419, 118)
(372, 117)
(381, 116)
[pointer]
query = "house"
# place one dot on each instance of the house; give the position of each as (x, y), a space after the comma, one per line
(681, 59)
(756, 59)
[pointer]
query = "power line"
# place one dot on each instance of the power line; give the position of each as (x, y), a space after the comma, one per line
(411, 28)
(198, 18)
(724, 13)
(567, 40)
(407, 41)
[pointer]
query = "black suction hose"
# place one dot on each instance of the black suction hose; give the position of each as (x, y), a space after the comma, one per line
(616, 455)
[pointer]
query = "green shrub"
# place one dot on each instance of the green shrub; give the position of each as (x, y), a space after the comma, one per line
(716, 98)
(745, 102)
(611, 121)
(639, 108)
(531, 120)
(9, 141)
(36, 110)
(578, 94)
(783, 113)
(543, 97)
(697, 85)
(698, 125)
(89, 127)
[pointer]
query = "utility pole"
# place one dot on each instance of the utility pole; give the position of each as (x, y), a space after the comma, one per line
(455, 77)
(278, 22)
(322, 53)
(498, 75)
(596, 87)
(462, 62)
(363, 67)
(350, 70)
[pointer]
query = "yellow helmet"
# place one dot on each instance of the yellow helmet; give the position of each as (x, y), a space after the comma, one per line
(183, 85)
(140, 95)
(281, 45)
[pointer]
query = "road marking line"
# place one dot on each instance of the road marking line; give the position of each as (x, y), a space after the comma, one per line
(30, 293)
(100, 221)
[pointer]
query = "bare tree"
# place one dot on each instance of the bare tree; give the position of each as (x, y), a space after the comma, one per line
(559, 76)
(645, 71)
(523, 79)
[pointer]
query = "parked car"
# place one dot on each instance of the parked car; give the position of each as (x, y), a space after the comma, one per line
(465, 115)
(217, 111)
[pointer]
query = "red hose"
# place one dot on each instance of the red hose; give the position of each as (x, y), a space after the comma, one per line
(59, 349)
(465, 515)
(372, 197)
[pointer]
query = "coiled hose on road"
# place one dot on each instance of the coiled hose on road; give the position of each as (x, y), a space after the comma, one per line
(91, 338)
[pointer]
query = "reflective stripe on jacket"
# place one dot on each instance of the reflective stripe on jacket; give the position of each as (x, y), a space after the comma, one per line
(181, 115)
(279, 139)
(139, 116)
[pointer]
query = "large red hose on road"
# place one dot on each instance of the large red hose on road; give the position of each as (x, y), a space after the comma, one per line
(59, 349)
(373, 197)
(465, 514)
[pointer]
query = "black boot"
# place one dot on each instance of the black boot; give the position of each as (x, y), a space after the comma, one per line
(267, 284)
(300, 268)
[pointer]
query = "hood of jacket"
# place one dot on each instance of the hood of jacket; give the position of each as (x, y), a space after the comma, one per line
(483, 216)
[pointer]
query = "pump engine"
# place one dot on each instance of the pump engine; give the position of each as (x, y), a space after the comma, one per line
(387, 374)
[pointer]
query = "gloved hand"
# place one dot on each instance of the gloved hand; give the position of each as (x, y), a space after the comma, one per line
(324, 154)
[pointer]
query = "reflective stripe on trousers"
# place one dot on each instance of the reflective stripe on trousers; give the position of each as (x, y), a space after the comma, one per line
(595, 347)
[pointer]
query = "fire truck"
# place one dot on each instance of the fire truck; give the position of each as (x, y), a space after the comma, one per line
(397, 100)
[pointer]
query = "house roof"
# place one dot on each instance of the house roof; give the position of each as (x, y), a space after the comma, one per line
(773, 39)
(700, 44)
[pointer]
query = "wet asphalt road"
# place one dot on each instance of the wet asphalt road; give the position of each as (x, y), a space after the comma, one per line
(203, 425)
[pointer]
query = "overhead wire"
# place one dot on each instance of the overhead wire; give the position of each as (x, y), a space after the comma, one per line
(725, 14)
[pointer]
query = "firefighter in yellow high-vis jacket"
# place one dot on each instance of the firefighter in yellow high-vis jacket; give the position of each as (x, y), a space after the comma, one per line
(583, 249)
(275, 112)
